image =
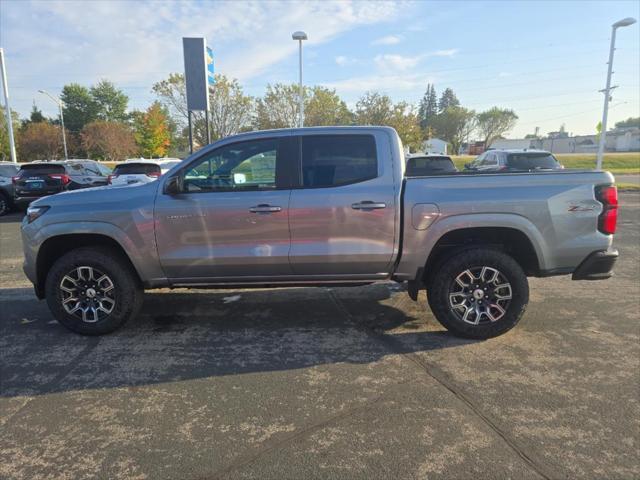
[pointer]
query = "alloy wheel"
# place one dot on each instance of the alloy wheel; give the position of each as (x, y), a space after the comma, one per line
(480, 295)
(88, 294)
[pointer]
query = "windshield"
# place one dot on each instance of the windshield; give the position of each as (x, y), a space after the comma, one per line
(8, 170)
(532, 161)
(418, 166)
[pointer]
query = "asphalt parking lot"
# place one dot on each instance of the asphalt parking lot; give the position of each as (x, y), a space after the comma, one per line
(325, 383)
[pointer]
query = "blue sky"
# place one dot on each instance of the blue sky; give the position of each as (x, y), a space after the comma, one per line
(544, 59)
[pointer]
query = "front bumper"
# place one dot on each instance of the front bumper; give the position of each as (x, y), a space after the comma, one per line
(597, 266)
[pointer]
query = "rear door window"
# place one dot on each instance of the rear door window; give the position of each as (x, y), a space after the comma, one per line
(335, 160)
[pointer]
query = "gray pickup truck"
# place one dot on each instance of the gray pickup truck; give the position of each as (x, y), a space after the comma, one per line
(320, 206)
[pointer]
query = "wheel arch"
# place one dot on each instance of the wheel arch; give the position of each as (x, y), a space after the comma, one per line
(512, 241)
(56, 246)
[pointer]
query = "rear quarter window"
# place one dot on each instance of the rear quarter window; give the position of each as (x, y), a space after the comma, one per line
(8, 170)
(335, 160)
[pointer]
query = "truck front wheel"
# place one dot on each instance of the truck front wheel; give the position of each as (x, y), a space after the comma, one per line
(93, 291)
(479, 293)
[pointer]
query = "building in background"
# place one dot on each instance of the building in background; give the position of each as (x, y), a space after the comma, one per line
(435, 145)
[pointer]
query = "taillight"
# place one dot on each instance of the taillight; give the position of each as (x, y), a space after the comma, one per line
(110, 178)
(153, 174)
(63, 177)
(608, 219)
(15, 179)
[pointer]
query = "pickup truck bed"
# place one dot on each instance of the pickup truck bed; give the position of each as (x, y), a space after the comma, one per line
(319, 206)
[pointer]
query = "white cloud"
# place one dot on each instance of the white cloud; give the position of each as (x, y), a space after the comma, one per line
(396, 62)
(341, 60)
(387, 40)
(385, 83)
(52, 43)
(443, 53)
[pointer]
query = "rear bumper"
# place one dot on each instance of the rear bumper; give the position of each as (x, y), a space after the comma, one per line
(597, 266)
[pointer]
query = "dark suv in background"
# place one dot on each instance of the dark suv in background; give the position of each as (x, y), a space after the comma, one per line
(39, 179)
(8, 170)
(514, 161)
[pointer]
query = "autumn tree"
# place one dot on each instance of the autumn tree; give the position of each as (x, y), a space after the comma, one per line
(325, 107)
(108, 140)
(376, 109)
(152, 132)
(40, 141)
(495, 122)
(278, 108)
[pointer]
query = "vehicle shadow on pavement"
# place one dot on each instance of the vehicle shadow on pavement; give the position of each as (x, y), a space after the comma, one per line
(186, 336)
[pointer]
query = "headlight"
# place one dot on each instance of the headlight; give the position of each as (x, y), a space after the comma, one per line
(33, 213)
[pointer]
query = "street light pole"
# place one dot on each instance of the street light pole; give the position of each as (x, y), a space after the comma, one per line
(300, 36)
(59, 103)
(5, 89)
(625, 22)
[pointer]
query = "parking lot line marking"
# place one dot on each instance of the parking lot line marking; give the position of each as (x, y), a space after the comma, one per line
(442, 378)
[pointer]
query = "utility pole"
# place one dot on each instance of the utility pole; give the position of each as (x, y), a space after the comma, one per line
(59, 103)
(625, 22)
(300, 36)
(5, 89)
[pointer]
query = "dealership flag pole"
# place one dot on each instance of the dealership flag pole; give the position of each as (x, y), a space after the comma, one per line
(5, 89)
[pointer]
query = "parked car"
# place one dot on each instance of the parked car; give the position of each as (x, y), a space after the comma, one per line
(8, 170)
(141, 171)
(514, 161)
(430, 164)
(320, 206)
(40, 178)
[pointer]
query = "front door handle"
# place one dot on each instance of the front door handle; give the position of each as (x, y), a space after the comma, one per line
(265, 208)
(368, 205)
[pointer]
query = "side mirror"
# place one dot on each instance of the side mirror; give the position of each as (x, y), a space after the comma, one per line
(173, 185)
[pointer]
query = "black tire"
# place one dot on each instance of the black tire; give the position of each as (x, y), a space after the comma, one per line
(124, 287)
(5, 204)
(443, 284)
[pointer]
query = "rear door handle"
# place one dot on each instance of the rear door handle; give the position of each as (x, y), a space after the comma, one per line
(368, 205)
(264, 208)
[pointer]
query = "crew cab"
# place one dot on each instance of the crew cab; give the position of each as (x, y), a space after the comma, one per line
(320, 206)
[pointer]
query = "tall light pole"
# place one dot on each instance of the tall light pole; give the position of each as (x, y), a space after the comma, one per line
(625, 22)
(59, 103)
(300, 36)
(5, 89)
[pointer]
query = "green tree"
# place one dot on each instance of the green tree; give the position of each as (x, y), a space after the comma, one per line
(454, 125)
(5, 148)
(79, 106)
(325, 107)
(152, 132)
(448, 99)
(629, 122)
(231, 109)
(406, 123)
(374, 108)
(110, 103)
(278, 108)
(428, 107)
(495, 122)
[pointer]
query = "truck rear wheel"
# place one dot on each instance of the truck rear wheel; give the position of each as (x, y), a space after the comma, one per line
(93, 291)
(479, 293)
